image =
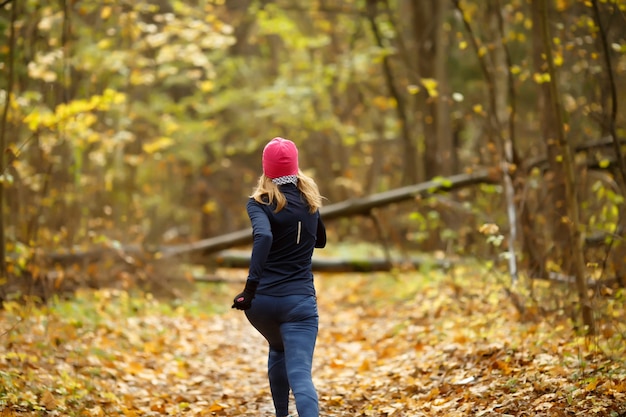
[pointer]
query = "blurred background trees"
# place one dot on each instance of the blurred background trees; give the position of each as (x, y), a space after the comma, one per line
(142, 123)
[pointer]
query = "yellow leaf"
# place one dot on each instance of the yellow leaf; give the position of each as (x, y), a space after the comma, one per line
(209, 207)
(129, 413)
(620, 387)
(134, 368)
(33, 120)
(170, 126)
(48, 401)
(561, 5)
(383, 103)
(138, 77)
(113, 97)
(432, 394)
(105, 13)
(216, 407)
(478, 108)
(431, 86)
(337, 364)
(413, 89)
(105, 43)
(206, 86)
(158, 145)
(592, 385)
(528, 24)
(503, 366)
(11, 307)
(558, 60)
(541, 78)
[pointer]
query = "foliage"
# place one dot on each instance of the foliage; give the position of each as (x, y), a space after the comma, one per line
(101, 136)
(186, 79)
(389, 345)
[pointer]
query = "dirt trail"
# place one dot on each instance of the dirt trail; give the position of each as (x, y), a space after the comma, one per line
(386, 347)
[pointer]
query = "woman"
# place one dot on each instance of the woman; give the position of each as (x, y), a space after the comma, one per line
(286, 227)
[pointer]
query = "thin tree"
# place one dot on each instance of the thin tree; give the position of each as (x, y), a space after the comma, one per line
(564, 163)
(612, 123)
(506, 145)
(612, 118)
(410, 175)
(3, 140)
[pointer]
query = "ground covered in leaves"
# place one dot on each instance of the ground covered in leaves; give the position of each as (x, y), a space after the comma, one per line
(407, 344)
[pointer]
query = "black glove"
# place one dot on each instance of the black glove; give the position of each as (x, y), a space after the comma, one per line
(243, 300)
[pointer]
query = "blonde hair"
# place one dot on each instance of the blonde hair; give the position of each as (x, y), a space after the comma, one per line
(267, 192)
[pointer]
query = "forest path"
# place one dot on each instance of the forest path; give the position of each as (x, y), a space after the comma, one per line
(402, 345)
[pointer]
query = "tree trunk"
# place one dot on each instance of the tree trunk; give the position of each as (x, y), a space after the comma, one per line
(611, 127)
(562, 164)
(503, 150)
(430, 58)
(504, 98)
(446, 151)
(410, 169)
(3, 143)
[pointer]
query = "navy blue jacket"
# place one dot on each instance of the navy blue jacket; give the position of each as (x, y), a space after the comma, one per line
(283, 245)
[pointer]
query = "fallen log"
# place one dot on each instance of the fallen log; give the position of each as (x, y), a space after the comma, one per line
(361, 206)
(352, 207)
(241, 259)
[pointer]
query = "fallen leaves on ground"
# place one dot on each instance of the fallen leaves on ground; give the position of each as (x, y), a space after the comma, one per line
(386, 347)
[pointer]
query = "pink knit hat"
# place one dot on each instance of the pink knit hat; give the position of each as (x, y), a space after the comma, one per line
(280, 158)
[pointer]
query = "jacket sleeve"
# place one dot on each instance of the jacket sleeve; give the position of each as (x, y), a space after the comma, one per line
(262, 239)
(321, 233)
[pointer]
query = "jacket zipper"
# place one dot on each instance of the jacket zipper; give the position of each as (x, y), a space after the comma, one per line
(299, 230)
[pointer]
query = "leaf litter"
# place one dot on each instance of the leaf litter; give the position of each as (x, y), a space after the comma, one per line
(401, 345)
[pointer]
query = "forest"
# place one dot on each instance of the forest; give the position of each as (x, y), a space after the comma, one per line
(472, 159)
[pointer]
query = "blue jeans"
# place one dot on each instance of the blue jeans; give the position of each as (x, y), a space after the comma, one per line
(290, 326)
